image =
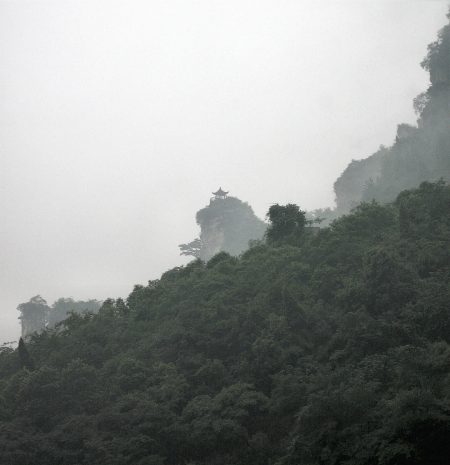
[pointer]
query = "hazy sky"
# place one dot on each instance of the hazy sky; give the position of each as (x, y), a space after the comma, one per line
(118, 120)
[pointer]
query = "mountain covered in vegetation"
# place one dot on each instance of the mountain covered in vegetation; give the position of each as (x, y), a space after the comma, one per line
(419, 153)
(313, 347)
(226, 225)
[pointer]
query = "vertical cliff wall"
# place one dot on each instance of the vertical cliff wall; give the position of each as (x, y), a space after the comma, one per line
(226, 225)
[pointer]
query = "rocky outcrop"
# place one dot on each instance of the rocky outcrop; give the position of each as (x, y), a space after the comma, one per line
(226, 225)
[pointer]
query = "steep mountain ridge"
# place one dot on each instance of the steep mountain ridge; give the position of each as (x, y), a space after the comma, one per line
(419, 153)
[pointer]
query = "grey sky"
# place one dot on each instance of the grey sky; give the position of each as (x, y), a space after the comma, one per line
(118, 119)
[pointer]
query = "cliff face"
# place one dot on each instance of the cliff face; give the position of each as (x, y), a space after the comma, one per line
(33, 315)
(212, 238)
(359, 174)
(419, 153)
(31, 326)
(226, 225)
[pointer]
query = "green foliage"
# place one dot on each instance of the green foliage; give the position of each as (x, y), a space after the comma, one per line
(330, 348)
(287, 224)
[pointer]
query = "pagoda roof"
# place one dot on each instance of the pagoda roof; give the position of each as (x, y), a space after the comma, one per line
(220, 192)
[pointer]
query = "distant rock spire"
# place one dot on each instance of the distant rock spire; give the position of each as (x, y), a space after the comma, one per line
(226, 225)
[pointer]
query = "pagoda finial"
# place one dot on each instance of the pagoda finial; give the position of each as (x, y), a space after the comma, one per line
(220, 194)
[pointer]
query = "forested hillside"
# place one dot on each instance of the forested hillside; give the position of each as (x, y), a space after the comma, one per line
(419, 153)
(320, 348)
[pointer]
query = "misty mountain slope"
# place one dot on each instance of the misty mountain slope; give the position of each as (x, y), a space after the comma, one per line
(327, 348)
(227, 225)
(355, 179)
(419, 153)
(36, 315)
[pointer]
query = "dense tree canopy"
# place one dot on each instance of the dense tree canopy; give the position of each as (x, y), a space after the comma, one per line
(287, 224)
(331, 350)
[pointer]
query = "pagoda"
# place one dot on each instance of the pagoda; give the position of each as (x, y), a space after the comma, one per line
(220, 194)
